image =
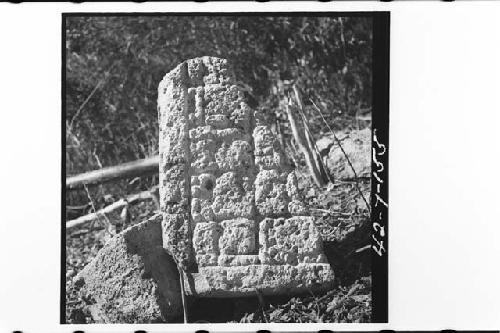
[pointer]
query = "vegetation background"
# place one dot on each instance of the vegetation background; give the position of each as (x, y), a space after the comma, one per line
(114, 65)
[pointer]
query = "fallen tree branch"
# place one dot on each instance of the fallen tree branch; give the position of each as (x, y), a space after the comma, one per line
(325, 177)
(144, 167)
(110, 228)
(78, 208)
(120, 204)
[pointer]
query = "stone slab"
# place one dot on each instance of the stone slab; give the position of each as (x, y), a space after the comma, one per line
(132, 279)
(242, 281)
(233, 217)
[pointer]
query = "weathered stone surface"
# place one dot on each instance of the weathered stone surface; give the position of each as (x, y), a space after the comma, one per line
(173, 99)
(132, 279)
(201, 191)
(271, 195)
(290, 241)
(203, 155)
(295, 206)
(236, 281)
(238, 259)
(357, 145)
(238, 237)
(236, 156)
(229, 196)
(233, 197)
(206, 238)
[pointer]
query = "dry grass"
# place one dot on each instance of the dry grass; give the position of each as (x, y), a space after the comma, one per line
(343, 221)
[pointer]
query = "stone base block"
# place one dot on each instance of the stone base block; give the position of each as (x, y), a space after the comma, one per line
(241, 281)
(132, 279)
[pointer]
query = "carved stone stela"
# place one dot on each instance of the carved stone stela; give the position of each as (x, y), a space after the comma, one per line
(232, 216)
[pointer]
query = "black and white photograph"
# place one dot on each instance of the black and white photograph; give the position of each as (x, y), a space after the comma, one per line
(249, 166)
(218, 168)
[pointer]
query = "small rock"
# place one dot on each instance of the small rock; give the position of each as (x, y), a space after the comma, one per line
(357, 145)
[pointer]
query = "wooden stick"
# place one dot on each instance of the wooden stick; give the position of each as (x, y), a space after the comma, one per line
(142, 196)
(293, 151)
(78, 208)
(147, 166)
(325, 177)
(183, 294)
(301, 141)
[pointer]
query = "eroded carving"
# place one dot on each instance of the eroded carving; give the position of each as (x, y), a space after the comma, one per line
(232, 214)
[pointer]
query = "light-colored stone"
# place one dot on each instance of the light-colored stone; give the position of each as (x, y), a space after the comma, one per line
(236, 155)
(207, 259)
(237, 281)
(265, 141)
(289, 241)
(206, 238)
(173, 101)
(357, 145)
(132, 279)
(233, 197)
(271, 196)
(239, 237)
(233, 216)
(238, 259)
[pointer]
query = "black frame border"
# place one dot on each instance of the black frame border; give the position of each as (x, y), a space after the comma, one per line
(380, 167)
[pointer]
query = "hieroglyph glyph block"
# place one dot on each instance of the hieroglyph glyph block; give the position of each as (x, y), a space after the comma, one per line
(232, 215)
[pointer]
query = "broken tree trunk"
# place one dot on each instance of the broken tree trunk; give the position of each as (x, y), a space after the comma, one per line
(144, 167)
(318, 161)
(304, 147)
